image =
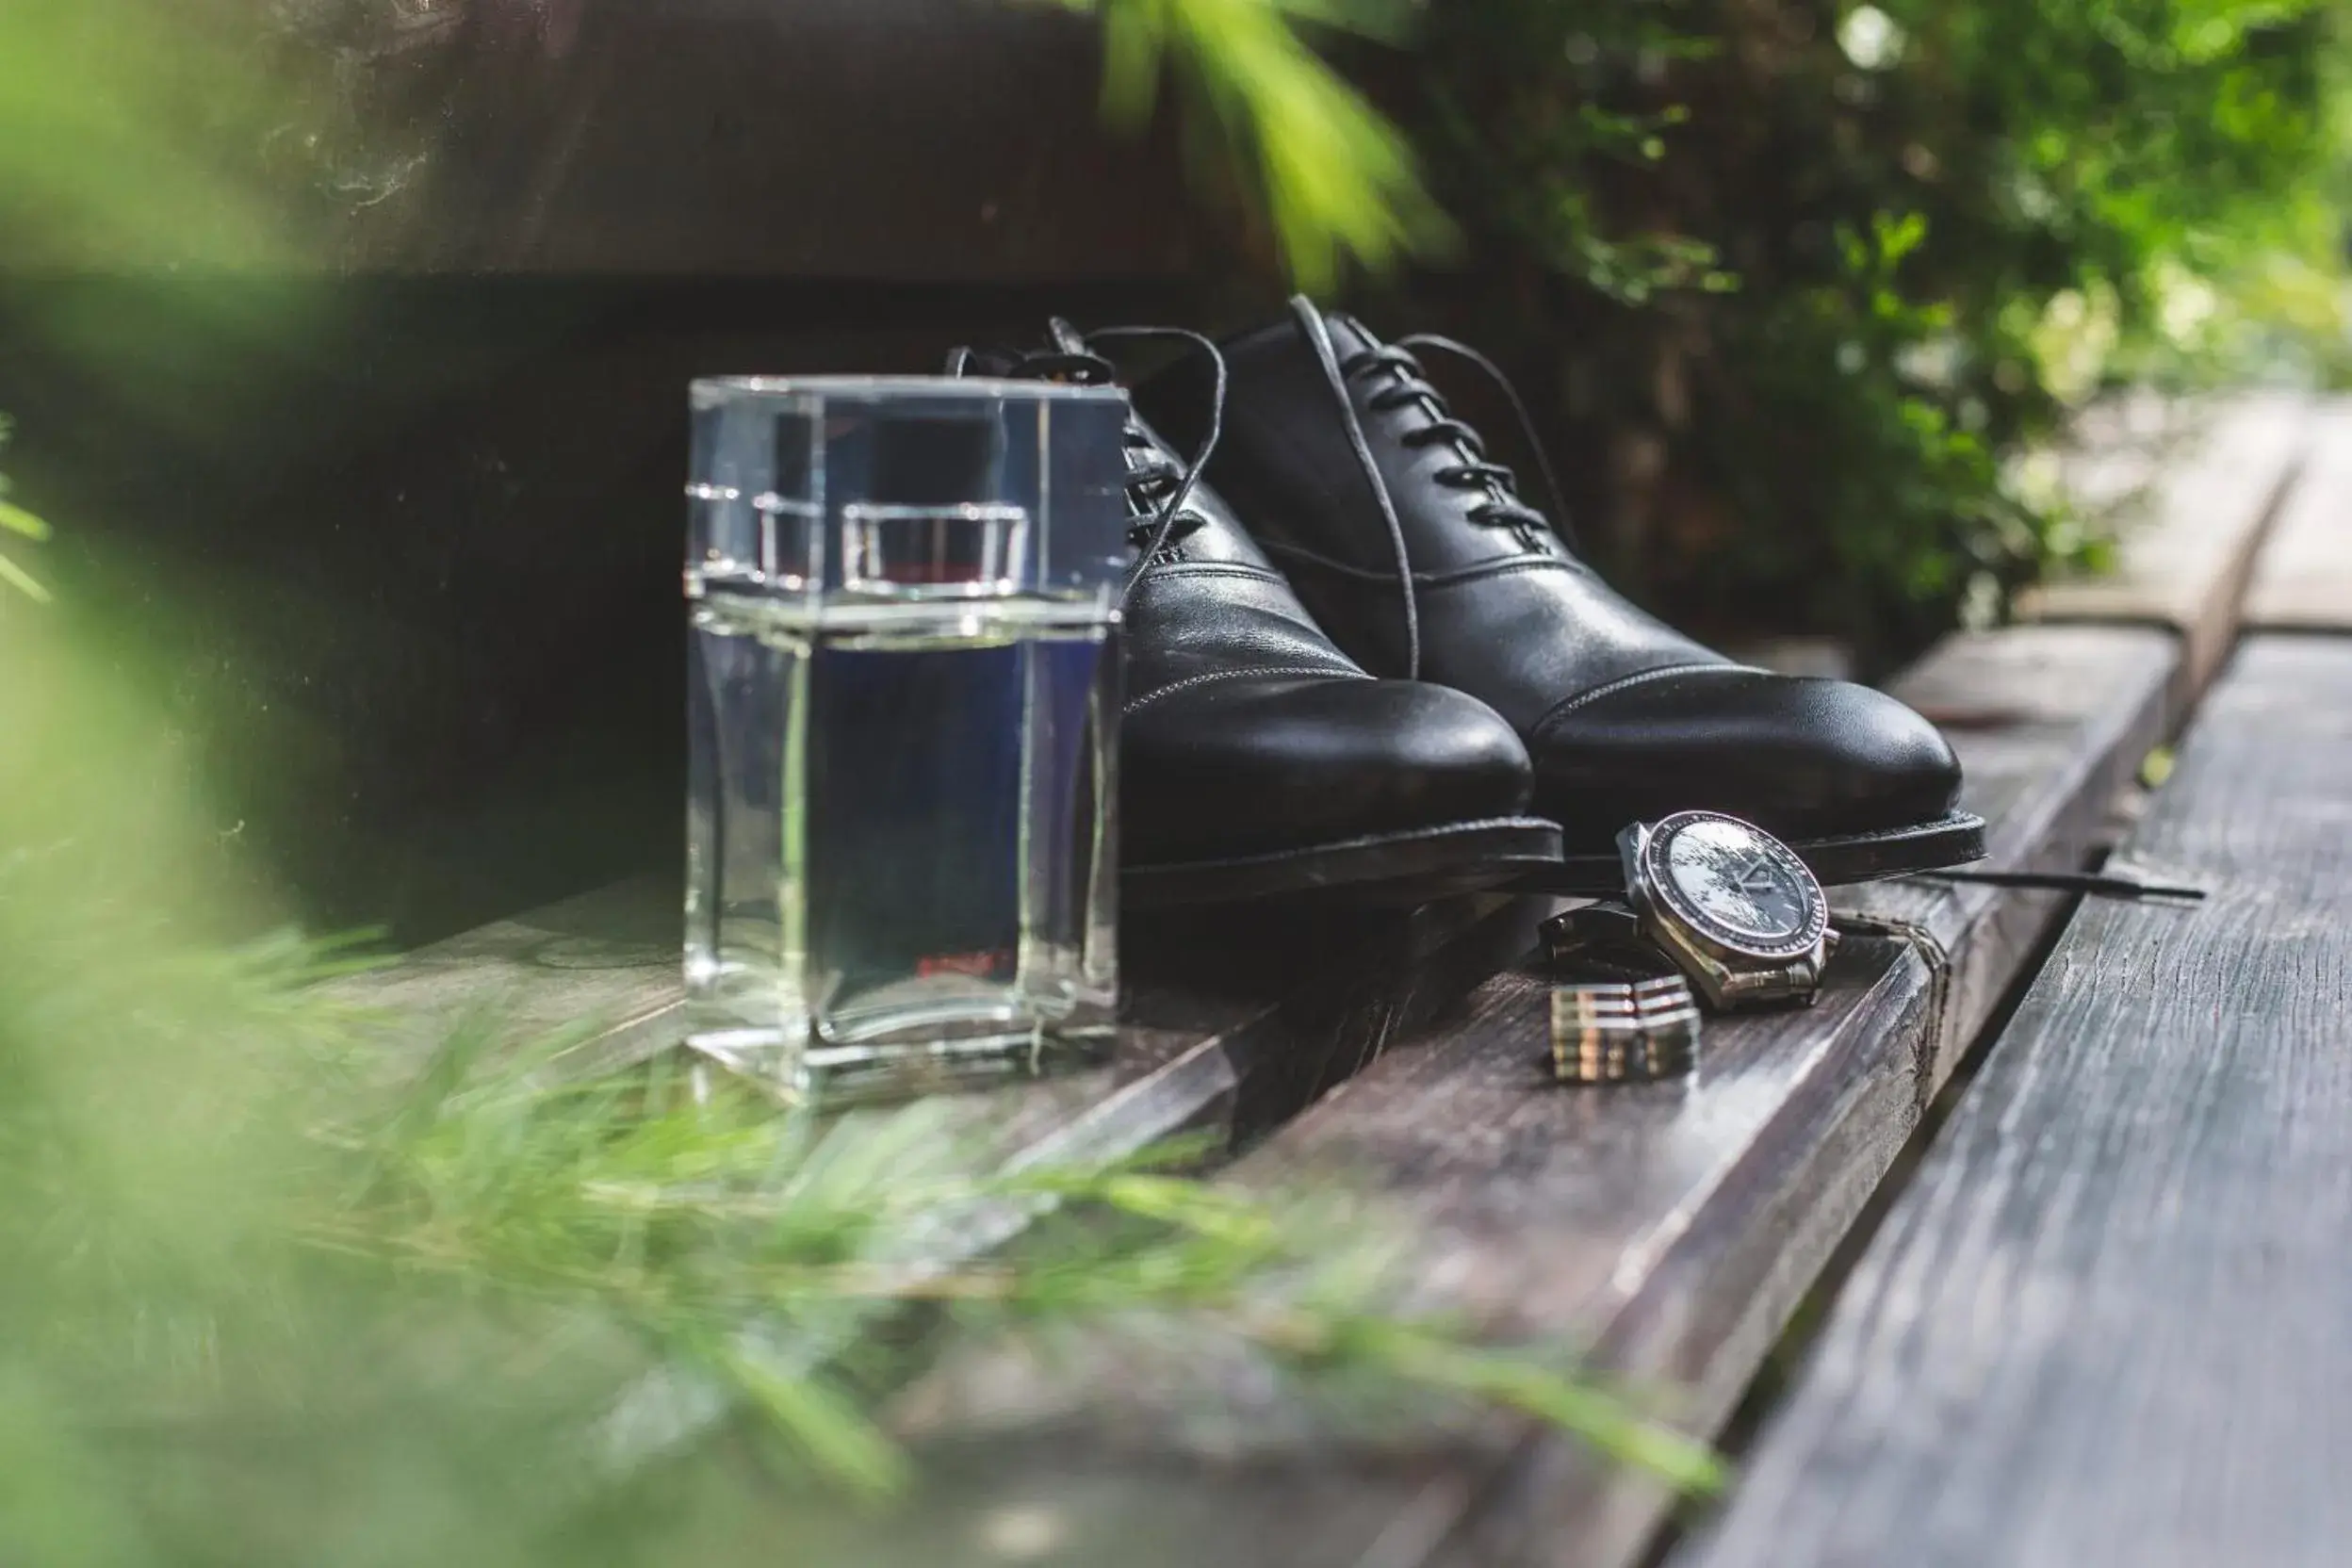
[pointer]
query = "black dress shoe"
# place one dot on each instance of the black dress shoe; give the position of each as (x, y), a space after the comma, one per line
(1255, 759)
(1421, 559)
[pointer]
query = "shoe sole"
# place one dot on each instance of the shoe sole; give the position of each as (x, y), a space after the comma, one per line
(1952, 841)
(1387, 870)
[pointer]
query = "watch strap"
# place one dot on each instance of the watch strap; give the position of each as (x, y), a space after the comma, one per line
(1605, 941)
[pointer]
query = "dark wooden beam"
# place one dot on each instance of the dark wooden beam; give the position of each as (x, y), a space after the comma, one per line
(1230, 1030)
(2105, 1324)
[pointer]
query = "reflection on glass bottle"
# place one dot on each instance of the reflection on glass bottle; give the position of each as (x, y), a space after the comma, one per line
(904, 709)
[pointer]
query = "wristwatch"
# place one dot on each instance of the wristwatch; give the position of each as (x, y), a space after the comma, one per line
(1734, 907)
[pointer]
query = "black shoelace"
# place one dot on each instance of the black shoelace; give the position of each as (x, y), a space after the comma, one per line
(1405, 384)
(1157, 486)
(2089, 884)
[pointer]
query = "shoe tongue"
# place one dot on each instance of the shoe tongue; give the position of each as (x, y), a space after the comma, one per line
(1067, 338)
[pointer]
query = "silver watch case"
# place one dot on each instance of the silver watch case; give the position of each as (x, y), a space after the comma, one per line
(1730, 968)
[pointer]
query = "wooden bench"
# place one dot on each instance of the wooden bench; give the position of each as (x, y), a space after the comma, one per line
(1673, 1229)
(2105, 1322)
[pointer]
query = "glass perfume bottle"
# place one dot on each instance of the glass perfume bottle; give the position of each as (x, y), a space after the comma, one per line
(904, 700)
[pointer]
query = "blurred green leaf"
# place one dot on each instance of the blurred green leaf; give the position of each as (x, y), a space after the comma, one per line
(278, 1295)
(14, 576)
(137, 129)
(17, 520)
(1337, 181)
(2015, 207)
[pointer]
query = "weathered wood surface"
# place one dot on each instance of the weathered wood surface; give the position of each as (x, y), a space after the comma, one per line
(2106, 1322)
(2190, 509)
(1671, 1221)
(2051, 723)
(2303, 580)
(1673, 1229)
(603, 967)
(1229, 1026)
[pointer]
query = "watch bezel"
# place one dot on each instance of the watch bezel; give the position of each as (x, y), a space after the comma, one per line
(1659, 883)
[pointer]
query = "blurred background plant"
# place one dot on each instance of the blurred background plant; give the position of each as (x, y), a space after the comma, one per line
(1801, 279)
(1334, 178)
(1793, 282)
(1793, 285)
(280, 1292)
(15, 520)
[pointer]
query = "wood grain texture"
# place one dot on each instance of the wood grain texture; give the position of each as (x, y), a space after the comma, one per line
(1229, 1025)
(2184, 555)
(2303, 579)
(1673, 1232)
(1671, 1226)
(2106, 1322)
(1233, 1022)
(1672, 1229)
(1233, 1025)
(2051, 722)
(603, 966)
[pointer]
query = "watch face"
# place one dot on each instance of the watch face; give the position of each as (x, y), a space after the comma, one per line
(1736, 884)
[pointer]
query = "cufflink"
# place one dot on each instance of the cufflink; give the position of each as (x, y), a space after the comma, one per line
(1612, 1032)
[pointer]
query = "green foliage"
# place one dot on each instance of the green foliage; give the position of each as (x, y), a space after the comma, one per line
(1333, 176)
(1802, 278)
(130, 129)
(15, 519)
(277, 1296)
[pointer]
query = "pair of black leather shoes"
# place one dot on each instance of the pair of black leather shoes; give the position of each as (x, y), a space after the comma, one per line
(1433, 693)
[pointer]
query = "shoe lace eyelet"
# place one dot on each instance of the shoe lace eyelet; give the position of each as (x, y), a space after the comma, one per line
(1158, 486)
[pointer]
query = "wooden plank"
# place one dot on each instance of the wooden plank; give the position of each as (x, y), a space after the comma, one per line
(2051, 723)
(604, 964)
(2303, 580)
(1671, 1228)
(1675, 1228)
(1680, 1222)
(2105, 1322)
(1229, 1023)
(2184, 555)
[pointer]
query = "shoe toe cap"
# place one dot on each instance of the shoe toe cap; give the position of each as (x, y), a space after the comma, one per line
(1801, 757)
(1260, 764)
